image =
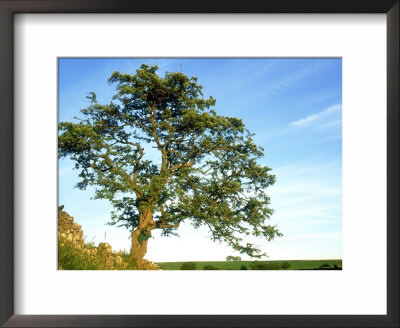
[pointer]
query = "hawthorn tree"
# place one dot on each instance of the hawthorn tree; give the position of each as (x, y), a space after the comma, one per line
(206, 171)
(232, 258)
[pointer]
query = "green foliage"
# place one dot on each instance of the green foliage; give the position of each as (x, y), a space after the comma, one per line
(210, 267)
(243, 267)
(188, 266)
(144, 235)
(207, 172)
(224, 265)
(265, 266)
(325, 265)
(285, 265)
(233, 258)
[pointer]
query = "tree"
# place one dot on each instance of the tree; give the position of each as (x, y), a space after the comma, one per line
(231, 258)
(207, 170)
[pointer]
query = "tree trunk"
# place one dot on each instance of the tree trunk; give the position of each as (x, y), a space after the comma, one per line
(139, 248)
(140, 238)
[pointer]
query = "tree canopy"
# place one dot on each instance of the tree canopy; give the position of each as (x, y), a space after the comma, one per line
(206, 171)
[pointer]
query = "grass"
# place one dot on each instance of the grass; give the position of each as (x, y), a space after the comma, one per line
(87, 257)
(223, 265)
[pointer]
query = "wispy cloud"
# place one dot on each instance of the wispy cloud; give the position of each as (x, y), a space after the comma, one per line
(307, 198)
(325, 118)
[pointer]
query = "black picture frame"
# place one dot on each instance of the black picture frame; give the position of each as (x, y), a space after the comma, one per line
(10, 7)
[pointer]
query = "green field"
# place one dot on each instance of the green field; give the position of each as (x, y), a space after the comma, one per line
(223, 265)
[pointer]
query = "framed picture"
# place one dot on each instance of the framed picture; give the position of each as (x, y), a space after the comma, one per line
(49, 45)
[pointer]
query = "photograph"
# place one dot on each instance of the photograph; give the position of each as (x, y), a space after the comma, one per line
(244, 154)
(199, 163)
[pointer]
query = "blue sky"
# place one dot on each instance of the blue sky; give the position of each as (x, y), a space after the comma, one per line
(294, 106)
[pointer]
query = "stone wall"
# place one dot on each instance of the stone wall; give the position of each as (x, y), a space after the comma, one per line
(69, 229)
(71, 232)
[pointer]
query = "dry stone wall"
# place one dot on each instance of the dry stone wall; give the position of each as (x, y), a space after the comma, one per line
(68, 229)
(71, 232)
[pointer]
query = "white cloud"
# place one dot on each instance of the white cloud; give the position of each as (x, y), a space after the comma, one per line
(324, 118)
